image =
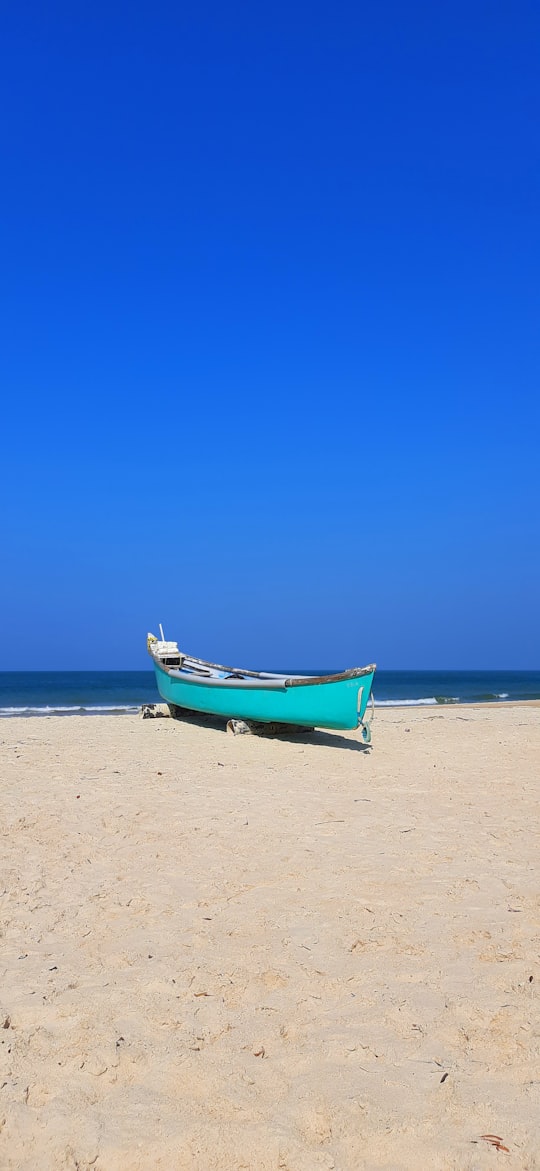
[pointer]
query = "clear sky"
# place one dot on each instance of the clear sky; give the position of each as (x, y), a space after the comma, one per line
(269, 345)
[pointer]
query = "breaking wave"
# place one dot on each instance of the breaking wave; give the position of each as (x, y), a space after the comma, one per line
(75, 710)
(404, 702)
(433, 700)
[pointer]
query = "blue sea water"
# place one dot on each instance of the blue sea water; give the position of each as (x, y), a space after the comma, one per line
(42, 693)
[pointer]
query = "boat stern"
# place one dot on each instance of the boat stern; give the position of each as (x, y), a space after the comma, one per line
(365, 695)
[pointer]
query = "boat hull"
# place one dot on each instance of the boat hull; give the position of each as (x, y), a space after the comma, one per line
(340, 705)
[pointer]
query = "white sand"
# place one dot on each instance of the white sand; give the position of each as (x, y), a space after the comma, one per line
(227, 953)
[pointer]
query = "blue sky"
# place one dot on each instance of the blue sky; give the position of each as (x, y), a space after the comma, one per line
(269, 333)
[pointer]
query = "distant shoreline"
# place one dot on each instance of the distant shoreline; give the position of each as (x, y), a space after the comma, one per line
(395, 706)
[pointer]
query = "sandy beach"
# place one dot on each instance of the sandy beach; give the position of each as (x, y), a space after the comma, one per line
(230, 953)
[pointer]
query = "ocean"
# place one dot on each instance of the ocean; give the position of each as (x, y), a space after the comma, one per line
(46, 693)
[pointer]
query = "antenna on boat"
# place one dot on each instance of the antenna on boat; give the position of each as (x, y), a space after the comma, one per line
(161, 633)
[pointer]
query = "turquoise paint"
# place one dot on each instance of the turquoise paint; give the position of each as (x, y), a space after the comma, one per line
(338, 705)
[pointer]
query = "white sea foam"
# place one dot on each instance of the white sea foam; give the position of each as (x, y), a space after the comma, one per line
(502, 695)
(405, 702)
(75, 709)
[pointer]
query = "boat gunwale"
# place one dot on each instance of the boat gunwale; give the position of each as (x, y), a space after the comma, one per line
(270, 681)
(228, 684)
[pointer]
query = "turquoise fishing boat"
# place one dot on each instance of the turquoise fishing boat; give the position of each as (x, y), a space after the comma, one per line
(326, 701)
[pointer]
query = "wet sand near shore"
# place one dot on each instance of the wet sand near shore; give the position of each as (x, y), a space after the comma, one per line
(282, 954)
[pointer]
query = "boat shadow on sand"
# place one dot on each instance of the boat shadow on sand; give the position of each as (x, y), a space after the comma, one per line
(289, 735)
